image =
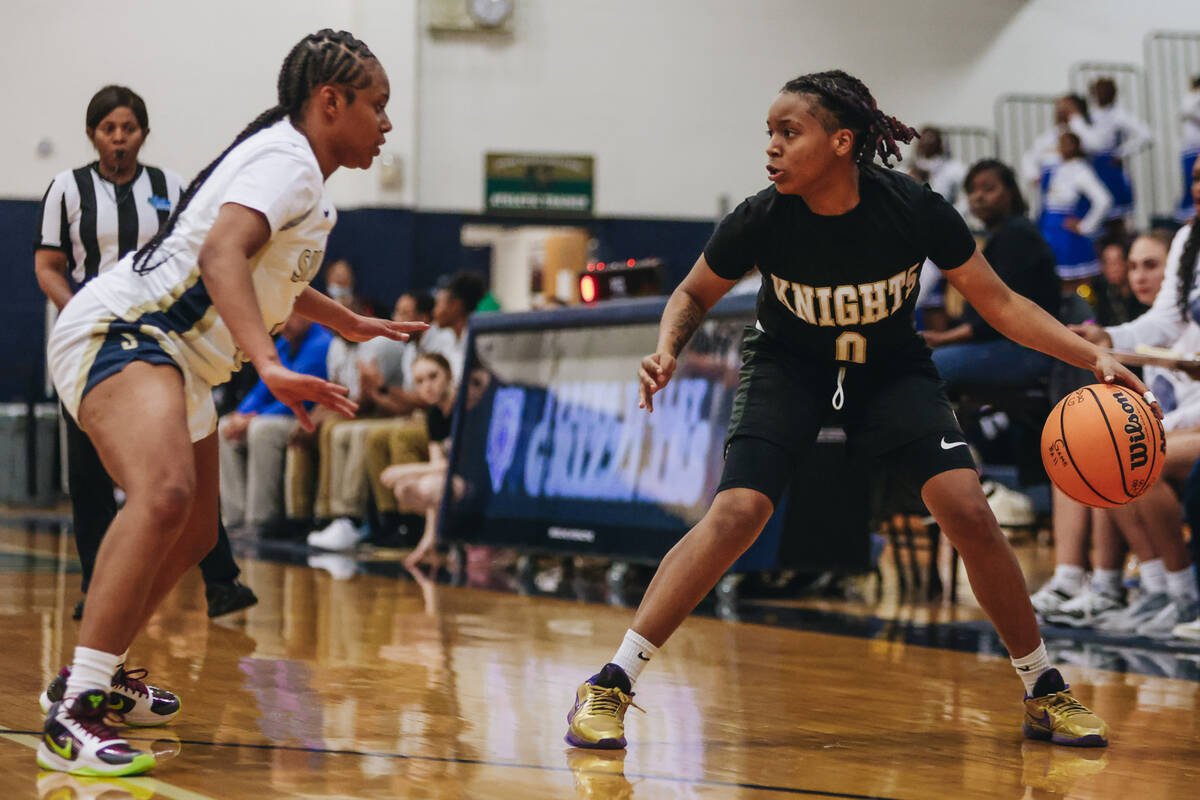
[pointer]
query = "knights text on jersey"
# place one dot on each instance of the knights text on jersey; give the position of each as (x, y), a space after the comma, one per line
(95, 221)
(273, 172)
(842, 288)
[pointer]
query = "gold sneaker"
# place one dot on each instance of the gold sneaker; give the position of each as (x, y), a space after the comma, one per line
(598, 718)
(1053, 713)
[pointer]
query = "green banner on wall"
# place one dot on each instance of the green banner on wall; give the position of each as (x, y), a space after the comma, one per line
(533, 184)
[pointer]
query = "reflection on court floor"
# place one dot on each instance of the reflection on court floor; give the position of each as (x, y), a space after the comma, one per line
(367, 681)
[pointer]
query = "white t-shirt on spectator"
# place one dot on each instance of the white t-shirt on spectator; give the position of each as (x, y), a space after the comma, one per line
(450, 345)
(1189, 114)
(946, 176)
(341, 365)
(393, 359)
(1162, 325)
(1178, 394)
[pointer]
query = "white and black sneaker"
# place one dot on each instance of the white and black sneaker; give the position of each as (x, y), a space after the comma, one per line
(1050, 598)
(1145, 608)
(1012, 509)
(1088, 610)
(1139, 611)
(138, 704)
(76, 739)
(1179, 611)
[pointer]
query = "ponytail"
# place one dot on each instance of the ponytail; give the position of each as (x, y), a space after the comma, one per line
(325, 57)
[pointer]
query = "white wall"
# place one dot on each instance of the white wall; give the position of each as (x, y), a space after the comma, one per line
(1034, 52)
(205, 69)
(669, 95)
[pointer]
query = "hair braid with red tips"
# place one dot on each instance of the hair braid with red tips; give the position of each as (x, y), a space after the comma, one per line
(852, 106)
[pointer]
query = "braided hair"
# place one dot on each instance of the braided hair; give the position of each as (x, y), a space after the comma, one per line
(852, 106)
(1187, 266)
(324, 57)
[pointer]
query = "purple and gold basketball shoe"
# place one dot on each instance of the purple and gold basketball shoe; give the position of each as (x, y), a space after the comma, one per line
(598, 718)
(1053, 713)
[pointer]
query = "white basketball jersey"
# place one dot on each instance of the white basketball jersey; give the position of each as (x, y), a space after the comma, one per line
(273, 172)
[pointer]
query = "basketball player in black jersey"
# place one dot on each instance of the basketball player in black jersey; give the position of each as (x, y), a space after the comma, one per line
(839, 242)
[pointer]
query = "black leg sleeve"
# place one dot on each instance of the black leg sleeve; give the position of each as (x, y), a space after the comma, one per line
(92, 503)
(218, 566)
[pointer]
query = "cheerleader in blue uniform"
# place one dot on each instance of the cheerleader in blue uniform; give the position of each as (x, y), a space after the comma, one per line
(1116, 135)
(1039, 162)
(1076, 204)
(1189, 115)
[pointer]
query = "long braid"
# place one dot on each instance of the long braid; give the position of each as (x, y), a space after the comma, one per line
(324, 57)
(1187, 266)
(850, 102)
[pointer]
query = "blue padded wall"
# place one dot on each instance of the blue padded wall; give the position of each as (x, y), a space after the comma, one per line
(392, 250)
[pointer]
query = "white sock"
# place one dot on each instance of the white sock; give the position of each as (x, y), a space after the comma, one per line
(1030, 667)
(1069, 578)
(1182, 583)
(634, 653)
(91, 669)
(1106, 581)
(1154, 576)
(124, 657)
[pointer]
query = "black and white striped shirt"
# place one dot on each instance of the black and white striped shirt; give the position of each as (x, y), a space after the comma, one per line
(95, 221)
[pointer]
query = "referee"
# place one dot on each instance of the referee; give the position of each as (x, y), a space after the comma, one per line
(90, 218)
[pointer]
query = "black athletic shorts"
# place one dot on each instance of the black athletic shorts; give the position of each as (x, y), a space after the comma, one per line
(896, 415)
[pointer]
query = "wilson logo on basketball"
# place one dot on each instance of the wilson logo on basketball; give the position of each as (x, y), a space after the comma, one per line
(1102, 446)
(1133, 429)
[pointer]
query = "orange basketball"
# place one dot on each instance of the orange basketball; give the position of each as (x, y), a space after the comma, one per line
(1103, 446)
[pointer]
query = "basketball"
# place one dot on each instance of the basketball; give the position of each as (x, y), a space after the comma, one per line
(1103, 446)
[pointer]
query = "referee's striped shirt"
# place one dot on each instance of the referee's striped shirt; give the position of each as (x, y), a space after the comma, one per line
(96, 222)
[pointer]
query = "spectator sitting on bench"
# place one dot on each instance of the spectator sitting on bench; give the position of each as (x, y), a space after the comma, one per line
(1169, 604)
(418, 484)
(972, 353)
(253, 438)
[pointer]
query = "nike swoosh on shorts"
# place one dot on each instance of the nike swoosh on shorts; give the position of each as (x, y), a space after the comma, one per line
(947, 445)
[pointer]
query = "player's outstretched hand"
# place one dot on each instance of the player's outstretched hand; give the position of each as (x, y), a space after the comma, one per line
(293, 388)
(654, 373)
(1109, 370)
(366, 328)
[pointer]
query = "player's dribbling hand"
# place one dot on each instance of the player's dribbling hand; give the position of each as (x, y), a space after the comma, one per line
(367, 328)
(1109, 370)
(654, 373)
(293, 389)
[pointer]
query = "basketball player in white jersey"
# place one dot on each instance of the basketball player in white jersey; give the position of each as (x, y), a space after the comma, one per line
(135, 354)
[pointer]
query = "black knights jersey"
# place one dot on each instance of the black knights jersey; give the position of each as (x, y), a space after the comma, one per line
(842, 288)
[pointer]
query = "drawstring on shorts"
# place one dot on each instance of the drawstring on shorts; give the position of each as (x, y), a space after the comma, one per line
(839, 396)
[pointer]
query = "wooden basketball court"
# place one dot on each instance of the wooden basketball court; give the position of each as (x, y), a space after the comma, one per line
(373, 687)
